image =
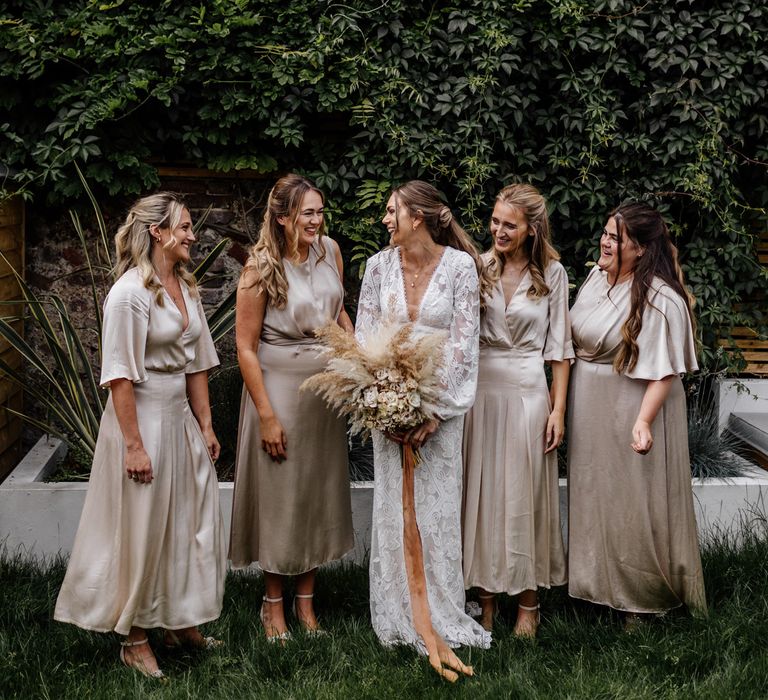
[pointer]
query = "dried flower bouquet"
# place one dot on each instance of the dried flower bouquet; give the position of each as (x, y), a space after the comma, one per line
(389, 382)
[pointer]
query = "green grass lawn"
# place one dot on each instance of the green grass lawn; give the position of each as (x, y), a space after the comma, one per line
(581, 651)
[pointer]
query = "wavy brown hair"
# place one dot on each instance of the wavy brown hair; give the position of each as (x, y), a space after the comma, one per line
(133, 241)
(265, 258)
(529, 201)
(646, 228)
(423, 200)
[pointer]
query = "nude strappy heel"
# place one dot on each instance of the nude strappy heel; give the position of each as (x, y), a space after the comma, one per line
(272, 636)
(139, 666)
(310, 631)
(528, 633)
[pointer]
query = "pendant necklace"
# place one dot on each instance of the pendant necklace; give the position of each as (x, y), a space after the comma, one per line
(415, 275)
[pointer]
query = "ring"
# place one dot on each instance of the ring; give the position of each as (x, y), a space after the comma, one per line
(135, 477)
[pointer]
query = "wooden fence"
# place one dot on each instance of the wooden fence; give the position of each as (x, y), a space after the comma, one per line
(754, 350)
(12, 248)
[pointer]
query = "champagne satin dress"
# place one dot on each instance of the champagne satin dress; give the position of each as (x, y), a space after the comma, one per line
(149, 555)
(632, 530)
(511, 507)
(292, 516)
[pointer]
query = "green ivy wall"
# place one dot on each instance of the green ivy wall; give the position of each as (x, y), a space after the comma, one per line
(594, 102)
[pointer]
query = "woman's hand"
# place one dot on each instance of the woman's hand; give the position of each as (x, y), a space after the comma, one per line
(273, 439)
(555, 431)
(642, 437)
(420, 434)
(138, 465)
(211, 443)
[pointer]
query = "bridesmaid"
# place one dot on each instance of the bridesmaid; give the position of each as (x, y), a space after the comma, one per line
(292, 509)
(511, 515)
(632, 531)
(149, 551)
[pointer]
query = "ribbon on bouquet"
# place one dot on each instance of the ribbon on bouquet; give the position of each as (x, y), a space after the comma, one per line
(441, 656)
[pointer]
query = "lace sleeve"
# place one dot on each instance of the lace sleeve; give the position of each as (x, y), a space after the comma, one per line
(369, 302)
(459, 373)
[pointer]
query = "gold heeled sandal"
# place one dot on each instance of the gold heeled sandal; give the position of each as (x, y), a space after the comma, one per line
(309, 631)
(139, 666)
(273, 637)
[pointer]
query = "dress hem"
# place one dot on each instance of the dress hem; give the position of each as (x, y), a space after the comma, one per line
(515, 591)
(246, 564)
(139, 624)
(645, 611)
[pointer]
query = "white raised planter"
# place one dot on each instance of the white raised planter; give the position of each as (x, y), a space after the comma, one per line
(41, 518)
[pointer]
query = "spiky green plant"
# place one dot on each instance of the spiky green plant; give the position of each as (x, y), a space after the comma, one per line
(714, 454)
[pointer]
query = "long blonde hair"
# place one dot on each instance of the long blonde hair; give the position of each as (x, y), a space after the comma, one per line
(529, 201)
(423, 200)
(265, 258)
(133, 241)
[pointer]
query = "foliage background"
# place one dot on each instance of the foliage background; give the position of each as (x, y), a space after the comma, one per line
(594, 102)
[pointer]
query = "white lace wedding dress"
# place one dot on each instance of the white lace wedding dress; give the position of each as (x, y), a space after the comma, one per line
(450, 303)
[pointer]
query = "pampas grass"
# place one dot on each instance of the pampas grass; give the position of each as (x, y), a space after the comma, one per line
(388, 382)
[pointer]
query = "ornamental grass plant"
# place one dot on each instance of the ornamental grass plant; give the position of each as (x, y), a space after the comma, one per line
(581, 652)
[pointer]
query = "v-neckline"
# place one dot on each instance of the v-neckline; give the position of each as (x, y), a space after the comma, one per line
(514, 292)
(426, 289)
(184, 327)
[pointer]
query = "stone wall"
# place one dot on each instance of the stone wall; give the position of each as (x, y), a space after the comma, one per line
(56, 262)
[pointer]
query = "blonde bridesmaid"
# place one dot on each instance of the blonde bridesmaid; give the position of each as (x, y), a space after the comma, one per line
(149, 551)
(292, 509)
(511, 519)
(632, 532)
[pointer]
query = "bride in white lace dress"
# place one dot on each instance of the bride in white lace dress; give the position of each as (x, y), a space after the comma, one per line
(428, 275)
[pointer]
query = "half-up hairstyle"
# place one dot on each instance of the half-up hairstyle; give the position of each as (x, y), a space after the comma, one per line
(423, 200)
(133, 241)
(538, 246)
(646, 228)
(265, 259)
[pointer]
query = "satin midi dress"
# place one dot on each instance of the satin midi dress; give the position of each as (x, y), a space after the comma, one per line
(149, 555)
(295, 515)
(512, 538)
(632, 530)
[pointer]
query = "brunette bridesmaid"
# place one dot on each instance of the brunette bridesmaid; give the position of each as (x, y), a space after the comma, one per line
(632, 531)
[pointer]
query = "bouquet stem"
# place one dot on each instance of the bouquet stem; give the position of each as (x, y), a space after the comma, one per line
(441, 656)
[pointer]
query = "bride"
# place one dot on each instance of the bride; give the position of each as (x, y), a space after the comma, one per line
(429, 276)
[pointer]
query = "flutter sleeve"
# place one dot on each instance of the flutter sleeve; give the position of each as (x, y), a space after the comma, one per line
(369, 303)
(205, 351)
(124, 333)
(459, 372)
(665, 343)
(559, 345)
